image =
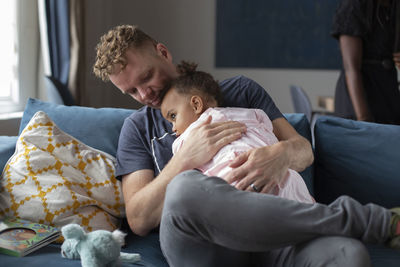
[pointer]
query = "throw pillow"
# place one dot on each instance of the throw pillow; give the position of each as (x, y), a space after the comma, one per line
(55, 179)
(96, 127)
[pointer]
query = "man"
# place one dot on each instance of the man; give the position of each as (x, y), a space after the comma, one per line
(204, 220)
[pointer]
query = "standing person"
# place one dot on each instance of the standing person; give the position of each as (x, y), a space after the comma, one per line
(369, 36)
(198, 215)
(192, 98)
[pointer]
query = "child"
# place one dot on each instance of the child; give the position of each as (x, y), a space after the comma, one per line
(193, 97)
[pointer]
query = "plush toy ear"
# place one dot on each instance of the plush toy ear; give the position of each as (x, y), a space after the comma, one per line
(69, 249)
(73, 230)
(119, 237)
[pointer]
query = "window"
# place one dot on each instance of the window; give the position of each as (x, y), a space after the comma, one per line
(8, 52)
(19, 51)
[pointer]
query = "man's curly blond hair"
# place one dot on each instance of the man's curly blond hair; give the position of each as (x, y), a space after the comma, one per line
(113, 45)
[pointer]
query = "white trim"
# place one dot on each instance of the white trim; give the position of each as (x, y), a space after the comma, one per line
(13, 115)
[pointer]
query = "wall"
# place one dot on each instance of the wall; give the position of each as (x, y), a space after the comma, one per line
(187, 27)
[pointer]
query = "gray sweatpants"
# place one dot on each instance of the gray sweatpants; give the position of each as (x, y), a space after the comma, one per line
(207, 222)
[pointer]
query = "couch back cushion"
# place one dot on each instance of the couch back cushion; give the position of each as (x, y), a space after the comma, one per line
(96, 127)
(100, 127)
(358, 159)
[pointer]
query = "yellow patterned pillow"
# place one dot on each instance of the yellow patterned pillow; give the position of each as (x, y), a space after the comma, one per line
(53, 178)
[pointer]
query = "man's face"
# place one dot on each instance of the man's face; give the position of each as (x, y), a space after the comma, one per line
(176, 108)
(146, 74)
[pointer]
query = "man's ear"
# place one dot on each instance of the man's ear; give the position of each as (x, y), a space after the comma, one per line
(197, 104)
(163, 51)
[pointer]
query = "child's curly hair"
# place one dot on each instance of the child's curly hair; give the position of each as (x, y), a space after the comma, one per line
(113, 45)
(191, 80)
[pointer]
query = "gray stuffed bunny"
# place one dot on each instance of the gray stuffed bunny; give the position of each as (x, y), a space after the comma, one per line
(95, 249)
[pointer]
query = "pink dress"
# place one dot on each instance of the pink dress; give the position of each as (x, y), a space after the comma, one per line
(259, 133)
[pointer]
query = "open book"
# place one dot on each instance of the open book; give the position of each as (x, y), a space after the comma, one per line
(20, 237)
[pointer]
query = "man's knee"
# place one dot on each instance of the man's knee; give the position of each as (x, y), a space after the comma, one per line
(184, 180)
(354, 253)
(181, 192)
(180, 202)
(333, 251)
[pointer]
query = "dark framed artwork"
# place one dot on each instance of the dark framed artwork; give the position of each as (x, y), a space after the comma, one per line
(291, 34)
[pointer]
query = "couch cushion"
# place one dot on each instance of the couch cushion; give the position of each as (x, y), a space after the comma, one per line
(148, 247)
(382, 256)
(55, 179)
(7, 148)
(358, 159)
(96, 127)
(300, 122)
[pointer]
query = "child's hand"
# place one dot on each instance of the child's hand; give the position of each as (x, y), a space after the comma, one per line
(206, 140)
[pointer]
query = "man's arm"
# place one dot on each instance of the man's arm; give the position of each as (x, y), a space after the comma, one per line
(266, 166)
(144, 195)
(298, 148)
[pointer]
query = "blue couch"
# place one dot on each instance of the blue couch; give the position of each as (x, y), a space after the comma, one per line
(353, 158)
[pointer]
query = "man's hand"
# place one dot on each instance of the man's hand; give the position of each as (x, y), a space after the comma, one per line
(396, 59)
(206, 140)
(264, 167)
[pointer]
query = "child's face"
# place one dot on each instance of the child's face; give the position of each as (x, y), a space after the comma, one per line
(176, 108)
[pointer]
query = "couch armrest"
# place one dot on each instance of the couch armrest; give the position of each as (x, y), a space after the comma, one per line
(7, 148)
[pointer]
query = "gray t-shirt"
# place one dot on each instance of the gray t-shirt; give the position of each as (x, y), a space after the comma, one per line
(146, 137)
